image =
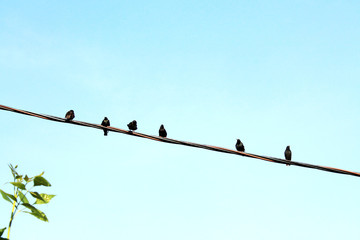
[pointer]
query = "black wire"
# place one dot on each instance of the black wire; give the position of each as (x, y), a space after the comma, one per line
(174, 141)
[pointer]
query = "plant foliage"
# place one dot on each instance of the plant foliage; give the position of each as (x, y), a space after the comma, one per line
(22, 191)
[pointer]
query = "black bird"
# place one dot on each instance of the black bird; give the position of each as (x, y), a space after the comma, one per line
(132, 125)
(70, 115)
(240, 146)
(105, 123)
(162, 131)
(287, 154)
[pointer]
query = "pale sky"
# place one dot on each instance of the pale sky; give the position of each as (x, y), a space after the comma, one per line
(272, 73)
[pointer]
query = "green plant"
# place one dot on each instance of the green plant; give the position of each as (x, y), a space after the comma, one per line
(19, 198)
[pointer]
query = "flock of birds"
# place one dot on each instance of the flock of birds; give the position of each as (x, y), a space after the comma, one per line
(70, 115)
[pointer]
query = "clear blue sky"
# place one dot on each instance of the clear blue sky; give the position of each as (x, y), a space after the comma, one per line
(272, 73)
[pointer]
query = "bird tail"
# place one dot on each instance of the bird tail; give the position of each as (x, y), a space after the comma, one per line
(105, 132)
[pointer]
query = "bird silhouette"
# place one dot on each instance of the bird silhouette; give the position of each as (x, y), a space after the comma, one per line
(132, 125)
(162, 131)
(240, 146)
(105, 123)
(70, 115)
(287, 154)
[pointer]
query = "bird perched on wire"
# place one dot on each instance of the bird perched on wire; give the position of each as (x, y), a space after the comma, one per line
(162, 131)
(287, 154)
(240, 146)
(105, 123)
(132, 125)
(70, 115)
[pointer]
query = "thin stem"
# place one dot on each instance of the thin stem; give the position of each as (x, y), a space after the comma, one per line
(14, 208)
(13, 214)
(11, 219)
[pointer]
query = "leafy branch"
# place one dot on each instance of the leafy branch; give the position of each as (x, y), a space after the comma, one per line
(19, 197)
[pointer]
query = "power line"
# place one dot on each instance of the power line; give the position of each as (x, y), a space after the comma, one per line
(174, 141)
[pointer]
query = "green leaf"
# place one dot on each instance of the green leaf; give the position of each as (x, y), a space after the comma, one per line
(36, 195)
(35, 212)
(23, 197)
(27, 179)
(5, 196)
(40, 181)
(29, 206)
(11, 196)
(18, 185)
(18, 177)
(45, 197)
(40, 215)
(2, 231)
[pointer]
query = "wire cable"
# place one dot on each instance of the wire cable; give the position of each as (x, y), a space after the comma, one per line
(190, 144)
